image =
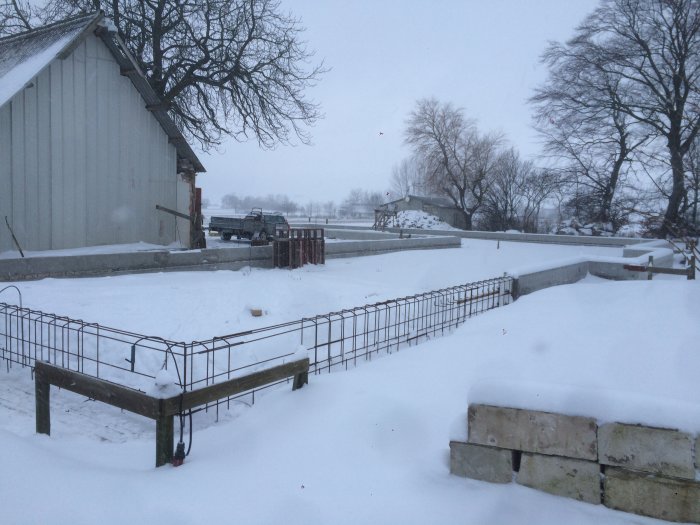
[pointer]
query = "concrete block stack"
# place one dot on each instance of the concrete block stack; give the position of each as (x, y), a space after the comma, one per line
(632, 468)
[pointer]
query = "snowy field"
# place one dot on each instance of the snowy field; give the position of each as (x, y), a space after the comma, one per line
(369, 445)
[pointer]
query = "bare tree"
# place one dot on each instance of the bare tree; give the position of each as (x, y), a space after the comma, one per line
(459, 162)
(504, 200)
(517, 193)
(653, 48)
(540, 186)
(578, 113)
(236, 68)
(692, 195)
(407, 178)
(329, 209)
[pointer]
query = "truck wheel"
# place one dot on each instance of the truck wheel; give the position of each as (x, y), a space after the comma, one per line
(225, 236)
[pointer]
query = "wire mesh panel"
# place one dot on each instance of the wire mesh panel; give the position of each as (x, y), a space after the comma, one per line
(340, 338)
(122, 357)
(328, 340)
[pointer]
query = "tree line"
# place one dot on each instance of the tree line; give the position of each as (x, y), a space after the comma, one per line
(359, 203)
(619, 115)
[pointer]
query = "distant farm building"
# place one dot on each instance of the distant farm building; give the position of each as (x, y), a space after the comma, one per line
(438, 206)
(87, 150)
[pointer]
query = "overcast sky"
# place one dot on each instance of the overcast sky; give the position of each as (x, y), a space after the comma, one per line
(481, 55)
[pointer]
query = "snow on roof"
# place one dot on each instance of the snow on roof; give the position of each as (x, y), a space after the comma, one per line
(24, 56)
(440, 202)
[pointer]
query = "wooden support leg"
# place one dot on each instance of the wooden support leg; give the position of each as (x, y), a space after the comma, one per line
(165, 434)
(691, 277)
(300, 380)
(42, 392)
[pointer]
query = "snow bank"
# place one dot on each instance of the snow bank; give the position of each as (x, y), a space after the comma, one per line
(421, 220)
(369, 445)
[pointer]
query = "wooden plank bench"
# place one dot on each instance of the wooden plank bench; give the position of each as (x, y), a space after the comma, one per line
(162, 410)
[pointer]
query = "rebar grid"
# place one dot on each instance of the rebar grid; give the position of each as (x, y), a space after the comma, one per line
(330, 340)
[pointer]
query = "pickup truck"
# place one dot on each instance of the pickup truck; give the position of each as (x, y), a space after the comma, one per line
(257, 225)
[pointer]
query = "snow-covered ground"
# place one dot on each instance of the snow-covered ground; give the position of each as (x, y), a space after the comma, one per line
(421, 220)
(369, 445)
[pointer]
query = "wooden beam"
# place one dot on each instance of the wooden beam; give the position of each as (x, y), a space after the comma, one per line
(173, 212)
(658, 269)
(99, 389)
(161, 106)
(161, 410)
(670, 271)
(238, 385)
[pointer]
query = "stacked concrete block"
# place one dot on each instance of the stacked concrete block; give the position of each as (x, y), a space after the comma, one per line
(571, 478)
(560, 450)
(654, 474)
(654, 450)
(633, 468)
(533, 431)
(655, 496)
(483, 463)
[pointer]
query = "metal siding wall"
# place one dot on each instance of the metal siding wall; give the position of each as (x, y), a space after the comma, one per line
(19, 218)
(6, 182)
(31, 189)
(92, 144)
(56, 147)
(79, 126)
(82, 161)
(68, 128)
(43, 154)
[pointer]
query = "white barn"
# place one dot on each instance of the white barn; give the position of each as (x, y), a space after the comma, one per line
(86, 149)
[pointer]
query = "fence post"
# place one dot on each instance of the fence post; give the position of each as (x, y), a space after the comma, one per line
(650, 268)
(165, 434)
(691, 276)
(300, 380)
(42, 394)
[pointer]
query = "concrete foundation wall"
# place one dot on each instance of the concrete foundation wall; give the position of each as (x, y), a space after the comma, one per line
(539, 278)
(633, 468)
(514, 237)
(208, 259)
(360, 235)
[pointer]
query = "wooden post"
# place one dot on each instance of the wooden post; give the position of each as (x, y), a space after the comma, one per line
(165, 434)
(691, 277)
(42, 393)
(300, 380)
(650, 268)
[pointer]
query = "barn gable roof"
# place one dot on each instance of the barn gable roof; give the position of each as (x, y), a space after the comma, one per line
(24, 55)
(440, 202)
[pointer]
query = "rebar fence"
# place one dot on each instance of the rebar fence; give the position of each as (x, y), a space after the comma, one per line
(332, 340)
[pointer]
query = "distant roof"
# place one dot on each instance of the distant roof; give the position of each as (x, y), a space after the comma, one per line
(441, 202)
(24, 55)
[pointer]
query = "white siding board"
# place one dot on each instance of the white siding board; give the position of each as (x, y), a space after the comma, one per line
(70, 167)
(80, 129)
(30, 239)
(19, 218)
(6, 181)
(57, 182)
(43, 154)
(92, 201)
